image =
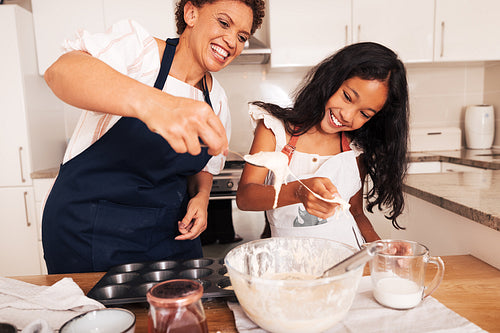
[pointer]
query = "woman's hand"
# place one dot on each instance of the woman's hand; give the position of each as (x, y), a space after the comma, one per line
(315, 206)
(183, 121)
(195, 221)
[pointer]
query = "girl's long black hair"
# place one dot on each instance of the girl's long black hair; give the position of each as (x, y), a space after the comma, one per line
(383, 139)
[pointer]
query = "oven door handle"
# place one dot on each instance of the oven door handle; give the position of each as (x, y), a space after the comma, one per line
(223, 197)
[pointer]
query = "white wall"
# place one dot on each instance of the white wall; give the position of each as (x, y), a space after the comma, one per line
(492, 94)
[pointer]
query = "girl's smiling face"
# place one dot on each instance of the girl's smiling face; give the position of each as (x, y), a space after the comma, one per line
(353, 104)
(219, 31)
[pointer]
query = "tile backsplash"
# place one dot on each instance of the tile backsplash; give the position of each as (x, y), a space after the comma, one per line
(439, 93)
(492, 94)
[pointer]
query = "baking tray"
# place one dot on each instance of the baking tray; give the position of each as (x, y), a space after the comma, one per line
(129, 283)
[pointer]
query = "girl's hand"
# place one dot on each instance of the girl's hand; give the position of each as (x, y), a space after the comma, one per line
(315, 206)
(195, 221)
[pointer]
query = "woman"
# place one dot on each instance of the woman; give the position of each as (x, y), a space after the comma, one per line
(349, 119)
(135, 179)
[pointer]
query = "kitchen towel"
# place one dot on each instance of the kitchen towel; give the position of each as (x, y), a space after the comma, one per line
(366, 315)
(22, 304)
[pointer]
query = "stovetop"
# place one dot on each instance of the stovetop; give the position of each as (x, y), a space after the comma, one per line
(227, 181)
(234, 164)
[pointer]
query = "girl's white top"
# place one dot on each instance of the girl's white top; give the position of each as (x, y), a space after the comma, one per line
(341, 169)
(131, 50)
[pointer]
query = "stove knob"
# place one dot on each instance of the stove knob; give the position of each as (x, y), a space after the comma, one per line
(230, 184)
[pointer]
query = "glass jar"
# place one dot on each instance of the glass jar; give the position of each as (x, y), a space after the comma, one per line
(175, 307)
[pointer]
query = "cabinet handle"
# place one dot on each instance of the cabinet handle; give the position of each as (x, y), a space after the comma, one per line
(28, 223)
(346, 34)
(442, 39)
(359, 32)
(21, 164)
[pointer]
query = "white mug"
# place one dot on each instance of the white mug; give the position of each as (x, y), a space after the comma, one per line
(398, 274)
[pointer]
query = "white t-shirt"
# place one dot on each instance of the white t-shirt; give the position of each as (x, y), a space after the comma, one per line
(131, 50)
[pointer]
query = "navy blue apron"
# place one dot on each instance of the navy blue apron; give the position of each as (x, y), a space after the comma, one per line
(119, 200)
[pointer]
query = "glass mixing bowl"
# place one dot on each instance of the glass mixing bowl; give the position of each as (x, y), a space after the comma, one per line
(275, 281)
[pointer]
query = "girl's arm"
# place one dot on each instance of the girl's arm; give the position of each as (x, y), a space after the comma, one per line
(357, 211)
(86, 82)
(254, 195)
(195, 221)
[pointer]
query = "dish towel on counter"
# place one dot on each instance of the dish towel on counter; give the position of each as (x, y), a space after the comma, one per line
(42, 309)
(366, 315)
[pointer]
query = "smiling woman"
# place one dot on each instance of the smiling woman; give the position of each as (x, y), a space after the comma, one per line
(135, 181)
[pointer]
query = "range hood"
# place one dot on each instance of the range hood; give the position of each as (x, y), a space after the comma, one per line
(255, 52)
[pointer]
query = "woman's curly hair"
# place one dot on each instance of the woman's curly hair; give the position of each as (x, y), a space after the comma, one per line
(257, 7)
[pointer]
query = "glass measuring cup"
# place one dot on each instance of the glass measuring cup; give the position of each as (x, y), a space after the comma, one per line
(398, 274)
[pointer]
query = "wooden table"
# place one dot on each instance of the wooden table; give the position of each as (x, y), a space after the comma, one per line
(470, 287)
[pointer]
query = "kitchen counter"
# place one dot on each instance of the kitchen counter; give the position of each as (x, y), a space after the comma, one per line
(480, 158)
(473, 194)
(470, 287)
(47, 173)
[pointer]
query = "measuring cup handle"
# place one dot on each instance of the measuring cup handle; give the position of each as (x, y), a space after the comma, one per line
(438, 277)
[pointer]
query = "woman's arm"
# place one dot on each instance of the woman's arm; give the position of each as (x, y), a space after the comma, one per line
(86, 82)
(195, 221)
(254, 195)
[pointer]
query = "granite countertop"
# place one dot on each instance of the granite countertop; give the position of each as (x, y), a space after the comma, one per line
(472, 194)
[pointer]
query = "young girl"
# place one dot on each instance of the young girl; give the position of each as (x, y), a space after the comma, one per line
(349, 120)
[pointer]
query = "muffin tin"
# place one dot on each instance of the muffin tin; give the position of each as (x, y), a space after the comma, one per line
(129, 283)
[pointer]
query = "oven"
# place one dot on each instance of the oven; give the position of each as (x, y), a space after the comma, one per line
(225, 222)
(225, 184)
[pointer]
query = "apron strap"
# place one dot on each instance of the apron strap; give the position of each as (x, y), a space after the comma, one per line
(289, 148)
(166, 63)
(345, 143)
(206, 93)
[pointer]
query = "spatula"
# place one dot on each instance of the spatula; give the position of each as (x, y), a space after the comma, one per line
(354, 261)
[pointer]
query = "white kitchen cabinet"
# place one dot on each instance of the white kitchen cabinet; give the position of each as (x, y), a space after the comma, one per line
(41, 189)
(157, 16)
(14, 147)
(406, 26)
(467, 30)
(57, 20)
(305, 32)
(31, 137)
(19, 253)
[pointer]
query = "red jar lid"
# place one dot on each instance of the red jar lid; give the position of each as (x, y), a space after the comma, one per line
(175, 293)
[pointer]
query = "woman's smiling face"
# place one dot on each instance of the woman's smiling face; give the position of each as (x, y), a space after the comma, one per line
(353, 104)
(219, 31)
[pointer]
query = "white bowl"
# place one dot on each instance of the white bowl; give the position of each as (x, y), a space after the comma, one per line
(110, 320)
(268, 279)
